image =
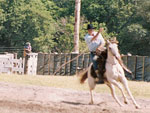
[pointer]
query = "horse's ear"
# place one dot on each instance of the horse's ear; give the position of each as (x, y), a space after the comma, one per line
(115, 39)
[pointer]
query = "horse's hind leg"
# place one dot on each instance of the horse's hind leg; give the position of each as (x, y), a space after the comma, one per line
(125, 84)
(91, 82)
(112, 88)
(91, 94)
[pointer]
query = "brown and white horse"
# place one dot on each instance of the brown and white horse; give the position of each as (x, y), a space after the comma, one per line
(113, 75)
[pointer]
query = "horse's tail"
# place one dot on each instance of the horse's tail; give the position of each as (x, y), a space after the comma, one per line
(83, 76)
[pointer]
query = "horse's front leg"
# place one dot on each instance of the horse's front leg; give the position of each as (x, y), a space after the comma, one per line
(112, 88)
(125, 84)
(121, 89)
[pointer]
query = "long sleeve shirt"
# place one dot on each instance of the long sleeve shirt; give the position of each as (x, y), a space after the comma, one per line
(93, 45)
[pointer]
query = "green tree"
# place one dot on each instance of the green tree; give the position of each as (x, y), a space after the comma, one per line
(66, 7)
(64, 35)
(143, 13)
(26, 20)
(134, 39)
(49, 24)
(135, 36)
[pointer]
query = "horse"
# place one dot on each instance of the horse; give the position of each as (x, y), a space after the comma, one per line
(114, 73)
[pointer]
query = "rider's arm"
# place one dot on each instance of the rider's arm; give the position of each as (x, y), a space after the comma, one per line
(101, 46)
(100, 30)
(94, 37)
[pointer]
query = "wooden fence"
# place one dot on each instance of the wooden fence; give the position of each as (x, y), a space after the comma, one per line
(139, 65)
(48, 64)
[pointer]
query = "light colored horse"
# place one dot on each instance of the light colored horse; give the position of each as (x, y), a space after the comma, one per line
(113, 75)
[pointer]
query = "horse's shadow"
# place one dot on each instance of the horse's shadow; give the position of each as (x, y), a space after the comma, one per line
(73, 103)
(79, 103)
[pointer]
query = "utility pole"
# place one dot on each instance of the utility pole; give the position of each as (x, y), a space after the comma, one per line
(77, 25)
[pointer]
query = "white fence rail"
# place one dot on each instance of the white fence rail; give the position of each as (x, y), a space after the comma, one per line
(18, 66)
(9, 65)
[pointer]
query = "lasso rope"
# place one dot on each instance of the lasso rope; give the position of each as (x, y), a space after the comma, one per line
(67, 62)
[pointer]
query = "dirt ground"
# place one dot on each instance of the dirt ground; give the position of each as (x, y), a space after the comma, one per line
(37, 99)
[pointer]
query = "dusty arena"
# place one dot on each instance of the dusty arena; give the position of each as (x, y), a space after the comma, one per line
(38, 99)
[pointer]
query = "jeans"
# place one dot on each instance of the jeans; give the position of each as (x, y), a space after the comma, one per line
(95, 64)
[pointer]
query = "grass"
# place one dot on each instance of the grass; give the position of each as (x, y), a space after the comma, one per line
(138, 89)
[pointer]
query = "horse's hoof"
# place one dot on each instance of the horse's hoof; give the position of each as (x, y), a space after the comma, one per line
(126, 102)
(137, 107)
(90, 103)
(121, 105)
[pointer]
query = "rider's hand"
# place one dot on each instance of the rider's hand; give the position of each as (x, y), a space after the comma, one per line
(98, 50)
(101, 30)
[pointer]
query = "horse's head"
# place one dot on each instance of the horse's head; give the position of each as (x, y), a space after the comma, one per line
(112, 48)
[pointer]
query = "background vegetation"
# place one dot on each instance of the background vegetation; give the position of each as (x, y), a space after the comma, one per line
(49, 24)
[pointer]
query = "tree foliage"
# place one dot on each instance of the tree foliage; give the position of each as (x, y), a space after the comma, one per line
(25, 21)
(135, 36)
(49, 24)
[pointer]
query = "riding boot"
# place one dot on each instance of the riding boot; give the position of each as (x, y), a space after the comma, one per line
(100, 77)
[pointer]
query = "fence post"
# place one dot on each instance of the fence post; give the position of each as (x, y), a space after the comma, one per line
(86, 60)
(46, 64)
(147, 69)
(80, 61)
(73, 64)
(131, 63)
(139, 68)
(32, 63)
(62, 61)
(68, 66)
(40, 63)
(26, 64)
(56, 62)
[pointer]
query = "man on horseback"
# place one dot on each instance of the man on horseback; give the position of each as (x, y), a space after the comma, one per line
(96, 43)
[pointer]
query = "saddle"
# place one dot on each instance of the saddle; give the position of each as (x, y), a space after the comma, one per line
(101, 59)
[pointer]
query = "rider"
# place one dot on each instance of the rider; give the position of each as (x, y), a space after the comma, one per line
(95, 42)
(27, 49)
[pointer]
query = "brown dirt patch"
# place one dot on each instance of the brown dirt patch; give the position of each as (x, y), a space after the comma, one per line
(36, 99)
